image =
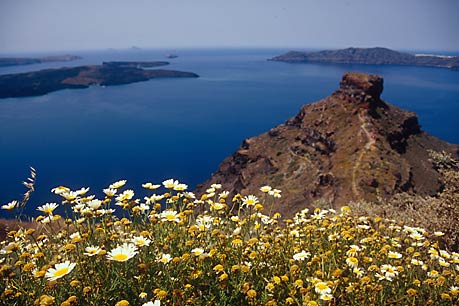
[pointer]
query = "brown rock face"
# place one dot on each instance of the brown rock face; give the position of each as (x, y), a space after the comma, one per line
(349, 146)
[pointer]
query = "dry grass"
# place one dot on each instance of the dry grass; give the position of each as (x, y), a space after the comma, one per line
(438, 213)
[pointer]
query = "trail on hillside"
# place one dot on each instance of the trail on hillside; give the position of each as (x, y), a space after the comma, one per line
(368, 146)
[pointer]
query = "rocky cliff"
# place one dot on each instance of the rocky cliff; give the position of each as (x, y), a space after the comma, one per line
(349, 146)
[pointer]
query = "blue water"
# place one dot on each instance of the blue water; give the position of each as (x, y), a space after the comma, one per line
(183, 128)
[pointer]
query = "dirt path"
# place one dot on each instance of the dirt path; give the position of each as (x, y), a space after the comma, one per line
(368, 146)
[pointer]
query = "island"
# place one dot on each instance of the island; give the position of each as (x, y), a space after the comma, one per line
(135, 64)
(41, 82)
(15, 61)
(375, 56)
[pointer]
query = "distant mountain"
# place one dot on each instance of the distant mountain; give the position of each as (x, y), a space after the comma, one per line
(109, 73)
(376, 56)
(14, 61)
(349, 146)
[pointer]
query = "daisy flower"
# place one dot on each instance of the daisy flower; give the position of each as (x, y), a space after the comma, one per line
(48, 208)
(197, 251)
(150, 186)
(275, 193)
(301, 256)
(353, 250)
(153, 198)
(326, 297)
(165, 258)
(180, 187)
(117, 185)
(170, 183)
(394, 255)
(265, 189)
(155, 303)
(59, 190)
(59, 270)
(170, 216)
(126, 195)
(92, 250)
(352, 262)
(123, 252)
(322, 288)
(250, 200)
(10, 205)
(110, 192)
(389, 272)
(140, 241)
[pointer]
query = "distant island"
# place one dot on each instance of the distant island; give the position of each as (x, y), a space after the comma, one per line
(15, 61)
(375, 56)
(41, 82)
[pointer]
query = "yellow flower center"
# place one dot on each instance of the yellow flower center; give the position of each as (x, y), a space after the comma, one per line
(170, 217)
(120, 257)
(61, 272)
(321, 286)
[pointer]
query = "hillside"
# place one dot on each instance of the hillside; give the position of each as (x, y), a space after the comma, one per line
(375, 56)
(349, 146)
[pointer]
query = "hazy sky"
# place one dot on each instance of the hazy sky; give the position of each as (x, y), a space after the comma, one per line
(59, 25)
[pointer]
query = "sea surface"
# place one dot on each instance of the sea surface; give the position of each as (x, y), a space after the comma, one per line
(182, 128)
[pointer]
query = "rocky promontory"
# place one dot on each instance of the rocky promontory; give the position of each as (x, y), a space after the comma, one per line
(350, 146)
(375, 56)
(110, 73)
(14, 61)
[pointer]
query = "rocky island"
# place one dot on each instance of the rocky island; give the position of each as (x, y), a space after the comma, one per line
(14, 61)
(350, 146)
(109, 73)
(375, 56)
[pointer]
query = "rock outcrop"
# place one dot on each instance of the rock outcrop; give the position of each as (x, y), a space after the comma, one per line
(349, 146)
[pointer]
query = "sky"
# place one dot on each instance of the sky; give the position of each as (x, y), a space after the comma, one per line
(58, 25)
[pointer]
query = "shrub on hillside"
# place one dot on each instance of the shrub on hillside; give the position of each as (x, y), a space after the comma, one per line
(437, 213)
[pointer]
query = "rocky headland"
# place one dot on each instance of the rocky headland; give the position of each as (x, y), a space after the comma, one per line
(109, 73)
(350, 146)
(15, 61)
(375, 56)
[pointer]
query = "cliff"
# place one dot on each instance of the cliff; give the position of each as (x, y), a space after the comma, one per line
(349, 146)
(376, 56)
(111, 73)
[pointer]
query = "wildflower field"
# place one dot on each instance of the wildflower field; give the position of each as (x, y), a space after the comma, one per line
(176, 248)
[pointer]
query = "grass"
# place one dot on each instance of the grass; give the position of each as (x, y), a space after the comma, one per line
(176, 248)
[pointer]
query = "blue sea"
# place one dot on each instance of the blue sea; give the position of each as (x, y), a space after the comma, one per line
(183, 128)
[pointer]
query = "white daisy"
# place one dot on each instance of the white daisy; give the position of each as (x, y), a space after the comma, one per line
(92, 250)
(301, 255)
(10, 205)
(59, 270)
(48, 208)
(123, 252)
